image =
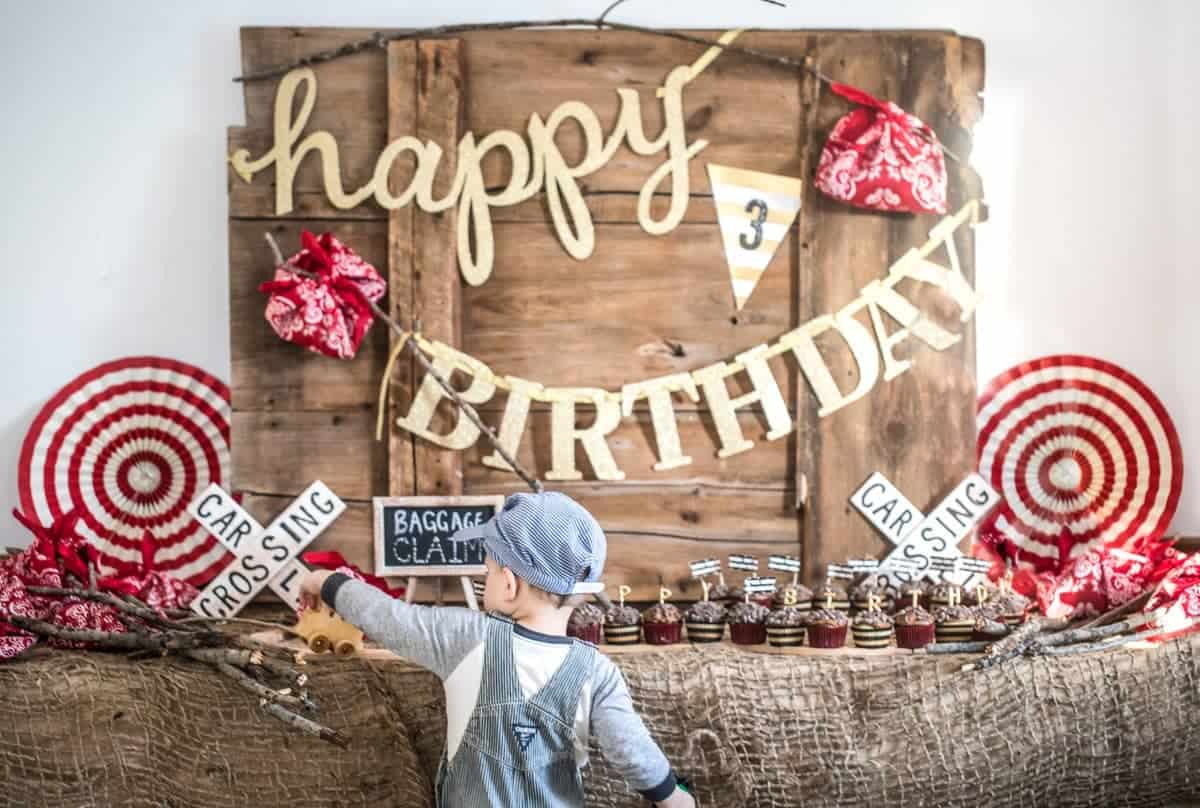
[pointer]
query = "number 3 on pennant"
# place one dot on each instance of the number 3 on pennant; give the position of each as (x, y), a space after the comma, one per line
(759, 208)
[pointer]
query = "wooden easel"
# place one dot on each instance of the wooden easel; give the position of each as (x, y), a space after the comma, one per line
(410, 589)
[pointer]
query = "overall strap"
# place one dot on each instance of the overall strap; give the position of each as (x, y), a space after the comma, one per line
(499, 683)
(560, 695)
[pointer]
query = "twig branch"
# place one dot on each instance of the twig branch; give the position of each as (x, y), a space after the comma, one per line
(249, 685)
(306, 725)
(127, 605)
(411, 346)
(220, 621)
(124, 641)
(957, 647)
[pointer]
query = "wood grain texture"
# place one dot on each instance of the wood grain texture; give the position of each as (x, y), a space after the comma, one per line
(402, 116)
(918, 429)
(437, 296)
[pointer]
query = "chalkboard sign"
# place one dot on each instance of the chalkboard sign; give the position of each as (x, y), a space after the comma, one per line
(412, 534)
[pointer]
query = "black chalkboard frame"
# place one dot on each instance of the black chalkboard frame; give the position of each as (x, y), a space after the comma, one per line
(418, 570)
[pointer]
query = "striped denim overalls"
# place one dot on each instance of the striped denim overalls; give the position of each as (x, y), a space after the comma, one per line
(515, 752)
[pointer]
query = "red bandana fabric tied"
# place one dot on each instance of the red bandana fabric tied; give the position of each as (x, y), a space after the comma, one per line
(881, 158)
(328, 314)
(58, 551)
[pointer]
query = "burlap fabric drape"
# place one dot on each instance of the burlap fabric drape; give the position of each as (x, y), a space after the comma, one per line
(749, 729)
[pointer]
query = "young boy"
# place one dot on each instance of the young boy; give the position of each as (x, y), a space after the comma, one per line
(521, 696)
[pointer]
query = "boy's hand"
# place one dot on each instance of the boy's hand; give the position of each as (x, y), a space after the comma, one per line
(310, 588)
(680, 799)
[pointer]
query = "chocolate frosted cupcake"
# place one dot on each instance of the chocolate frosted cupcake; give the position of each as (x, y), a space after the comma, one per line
(833, 595)
(945, 594)
(747, 623)
(872, 586)
(726, 593)
(914, 628)
(979, 595)
(705, 621)
(622, 626)
(785, 626)
(989, 612)
(827, 628)
(584, 623)
(953, 623)
(904, 595)
(662, 624)
(793, 596)
(872, 629)
(1014, 607)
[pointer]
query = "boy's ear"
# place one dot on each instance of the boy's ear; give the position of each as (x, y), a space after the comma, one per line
(511, 583)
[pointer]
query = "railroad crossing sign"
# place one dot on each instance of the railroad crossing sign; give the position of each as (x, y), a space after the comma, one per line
(264, 556)
(921, 538)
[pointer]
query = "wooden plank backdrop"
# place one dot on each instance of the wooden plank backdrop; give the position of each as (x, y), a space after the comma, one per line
(641, 306)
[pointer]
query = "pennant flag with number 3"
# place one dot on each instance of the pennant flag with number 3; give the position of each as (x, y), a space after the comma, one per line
(754, 211)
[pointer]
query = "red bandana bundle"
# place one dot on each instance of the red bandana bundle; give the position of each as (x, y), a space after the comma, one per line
(1178, 598)
(881, 158)
(147, 583)
(327, 314)
(1107, 577)
(56, 552)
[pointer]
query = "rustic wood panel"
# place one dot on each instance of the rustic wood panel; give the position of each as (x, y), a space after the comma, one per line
(437, 302)
(402, 116)
(640, 307)
(281, 453)
(918, 429)
(270, 374)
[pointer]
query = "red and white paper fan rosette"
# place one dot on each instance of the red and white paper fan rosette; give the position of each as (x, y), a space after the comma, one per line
(1082, 452)
(128, 445)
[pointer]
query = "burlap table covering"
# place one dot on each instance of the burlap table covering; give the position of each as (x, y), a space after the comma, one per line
(748, 729)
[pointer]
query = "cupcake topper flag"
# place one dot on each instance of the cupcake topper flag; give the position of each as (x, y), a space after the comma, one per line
(874, 603)
(705, 585)
(743, 562)
(829, 601)
(785, 564)
(843, 571)
(663, 594)
(980, 594)
(916, 598)
(707, 566)
(954, 597)
(622, 591)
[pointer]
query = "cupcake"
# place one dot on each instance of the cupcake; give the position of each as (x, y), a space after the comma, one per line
(831, 596)
(945, 594)
(705, 621)
(989, 612)
(785, 626)
(827, 628)
(1013, 606)
(872, 629)
(904, 596)
(953, 623)
(622, 626)
(979, 595)
(872, 586)
(747, 623)
(795, 596)
(914, 628)
(725, 593)
(662, 624)
(584, 623)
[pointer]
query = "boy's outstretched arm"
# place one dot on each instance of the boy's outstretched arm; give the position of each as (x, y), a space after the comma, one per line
(626, 742)
(436, 639)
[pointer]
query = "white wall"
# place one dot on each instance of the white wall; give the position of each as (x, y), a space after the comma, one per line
(114, 225)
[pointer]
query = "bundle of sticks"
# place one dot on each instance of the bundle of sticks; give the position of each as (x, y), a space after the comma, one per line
(269, 673)
(1041, 636)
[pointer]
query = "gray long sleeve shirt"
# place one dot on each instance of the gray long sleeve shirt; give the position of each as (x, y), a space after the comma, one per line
(450, 642)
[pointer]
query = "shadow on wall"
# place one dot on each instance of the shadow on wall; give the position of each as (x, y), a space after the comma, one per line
(12, 433)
